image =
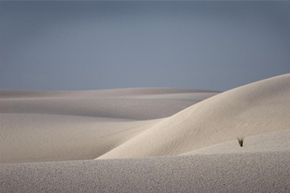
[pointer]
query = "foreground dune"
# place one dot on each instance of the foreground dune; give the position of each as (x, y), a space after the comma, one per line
(225, 173)
(184, 140)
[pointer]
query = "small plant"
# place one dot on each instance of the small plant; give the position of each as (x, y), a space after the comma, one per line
(241, 141)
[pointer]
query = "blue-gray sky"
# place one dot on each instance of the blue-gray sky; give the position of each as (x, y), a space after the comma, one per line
(97, 45)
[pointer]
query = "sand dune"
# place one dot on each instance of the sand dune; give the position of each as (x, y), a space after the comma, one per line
(37, 126)
(138, 104)
(256, 108)
(44, 137)
(185, 140)
(98, 93)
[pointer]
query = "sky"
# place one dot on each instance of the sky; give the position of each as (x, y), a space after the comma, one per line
(103, 45)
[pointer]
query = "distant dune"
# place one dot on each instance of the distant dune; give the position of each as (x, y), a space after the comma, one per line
(73, 125)
(138, 104)
(177, 140)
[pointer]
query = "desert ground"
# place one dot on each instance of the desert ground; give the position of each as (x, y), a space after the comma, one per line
(147, 140)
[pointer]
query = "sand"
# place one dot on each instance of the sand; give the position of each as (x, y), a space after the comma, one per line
(224, 173)
(256, 108)
(137, 104)
(147, 140)
(50, 126)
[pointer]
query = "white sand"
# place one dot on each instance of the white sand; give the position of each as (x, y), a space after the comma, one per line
(77, 125)
(225, 173)
(277, 141)
(196, 144)
(44, 137)
(260, 107)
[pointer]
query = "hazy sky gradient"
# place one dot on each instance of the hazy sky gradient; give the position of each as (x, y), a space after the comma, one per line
(96, 45)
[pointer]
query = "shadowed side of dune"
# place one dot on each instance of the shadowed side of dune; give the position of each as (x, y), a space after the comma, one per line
(45, 137)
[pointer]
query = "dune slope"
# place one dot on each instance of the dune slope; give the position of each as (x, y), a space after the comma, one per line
(277, 141)
(46, 137)
(259, 107)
